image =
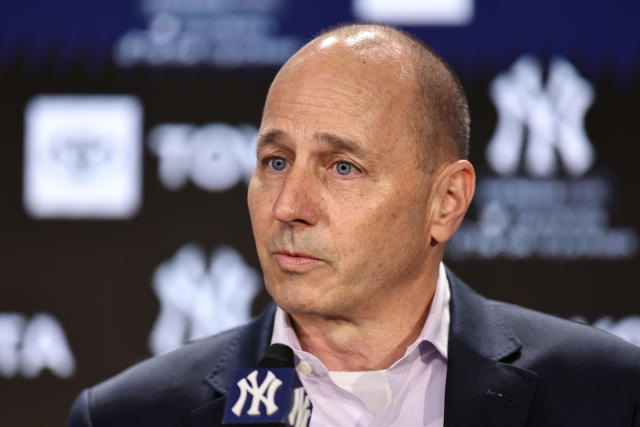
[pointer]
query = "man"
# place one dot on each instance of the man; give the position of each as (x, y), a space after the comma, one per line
(361, 180)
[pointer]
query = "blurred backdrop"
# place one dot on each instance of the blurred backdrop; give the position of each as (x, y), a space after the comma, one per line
(128, 130)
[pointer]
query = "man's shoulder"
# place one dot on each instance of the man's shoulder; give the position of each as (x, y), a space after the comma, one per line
(569, 373)
(533, 324)
(193, 360)
(161, 390)
(535, 340)
(164, 389)
(549, 339)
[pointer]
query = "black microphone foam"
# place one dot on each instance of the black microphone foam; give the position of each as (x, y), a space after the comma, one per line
(277, 356)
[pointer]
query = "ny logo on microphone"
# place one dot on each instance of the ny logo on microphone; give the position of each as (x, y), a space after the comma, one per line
(301, 411)
(269, 387)
(267, 396)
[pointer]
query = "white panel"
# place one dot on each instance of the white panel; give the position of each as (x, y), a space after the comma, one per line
(82, 156)
(415, 12)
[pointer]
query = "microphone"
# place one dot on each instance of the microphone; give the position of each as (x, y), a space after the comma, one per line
(271, 395)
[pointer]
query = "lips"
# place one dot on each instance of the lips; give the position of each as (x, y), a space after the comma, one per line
(295, 260)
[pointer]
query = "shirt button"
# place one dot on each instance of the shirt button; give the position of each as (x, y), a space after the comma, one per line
(304, 367)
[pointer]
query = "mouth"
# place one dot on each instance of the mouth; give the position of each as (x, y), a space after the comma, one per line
(295, 261)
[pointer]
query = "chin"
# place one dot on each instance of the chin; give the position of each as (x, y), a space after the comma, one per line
(293, 303)
(306, 306)
(298, 301)
(305, 294)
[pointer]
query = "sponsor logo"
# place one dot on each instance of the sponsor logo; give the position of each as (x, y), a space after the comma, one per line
(264, 393)
(27, 347)
(200, 297)
(526, 208)
(412, 12)
(83, 156)
(214, 157)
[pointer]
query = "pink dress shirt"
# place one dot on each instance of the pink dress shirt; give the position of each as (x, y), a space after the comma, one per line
(408, 393)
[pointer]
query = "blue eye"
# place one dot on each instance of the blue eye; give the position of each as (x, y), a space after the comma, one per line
(278, 163)
(344, 168)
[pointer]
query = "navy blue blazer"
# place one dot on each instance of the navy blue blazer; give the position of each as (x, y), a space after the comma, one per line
(508, 366)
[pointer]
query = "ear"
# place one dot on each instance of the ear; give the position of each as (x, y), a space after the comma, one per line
(455, 185)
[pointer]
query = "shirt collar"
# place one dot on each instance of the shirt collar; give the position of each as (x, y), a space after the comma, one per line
(434, 331)
(436, 327)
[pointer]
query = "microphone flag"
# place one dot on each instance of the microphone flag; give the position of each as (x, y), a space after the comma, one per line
(271, 395)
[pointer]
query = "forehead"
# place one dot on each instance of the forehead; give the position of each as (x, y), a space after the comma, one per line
(341, 90)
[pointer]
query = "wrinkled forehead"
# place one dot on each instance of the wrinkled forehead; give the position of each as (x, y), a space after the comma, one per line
(350, 97)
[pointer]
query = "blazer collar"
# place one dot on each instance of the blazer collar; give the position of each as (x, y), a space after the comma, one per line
(482, 386)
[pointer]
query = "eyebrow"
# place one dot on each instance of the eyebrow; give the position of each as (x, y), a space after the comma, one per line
(335, 141)
(342, 144)
(270, 137)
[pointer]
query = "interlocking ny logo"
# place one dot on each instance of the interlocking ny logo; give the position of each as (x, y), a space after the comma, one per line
(554, 116)
(269, 386)
(199, 296)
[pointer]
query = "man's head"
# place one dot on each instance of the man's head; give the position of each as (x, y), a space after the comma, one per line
(359, 180)
(438, 114)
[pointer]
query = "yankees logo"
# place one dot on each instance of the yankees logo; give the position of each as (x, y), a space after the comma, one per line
(553, 114)
(269, 386)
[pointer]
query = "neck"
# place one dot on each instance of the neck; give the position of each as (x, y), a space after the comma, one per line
(372, 341)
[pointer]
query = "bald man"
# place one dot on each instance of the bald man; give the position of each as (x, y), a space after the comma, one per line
(361, 179)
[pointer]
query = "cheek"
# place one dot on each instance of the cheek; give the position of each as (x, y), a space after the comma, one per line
(259, 209)
(361, 221)
(382, 224)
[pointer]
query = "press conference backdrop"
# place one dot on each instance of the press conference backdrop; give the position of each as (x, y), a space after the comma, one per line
(128, 137)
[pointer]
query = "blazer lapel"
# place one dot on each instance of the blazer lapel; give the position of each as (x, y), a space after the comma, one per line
(482, 388)
(244, 351)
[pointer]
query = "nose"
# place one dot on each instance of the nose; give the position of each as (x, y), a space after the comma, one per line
(297, 203)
